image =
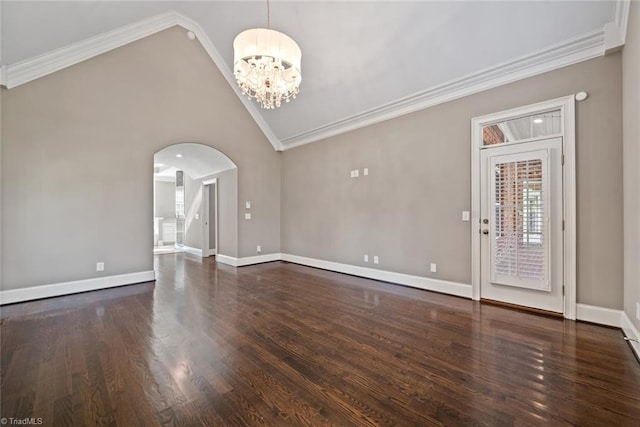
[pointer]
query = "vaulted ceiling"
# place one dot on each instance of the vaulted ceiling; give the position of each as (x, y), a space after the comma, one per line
(363, 61)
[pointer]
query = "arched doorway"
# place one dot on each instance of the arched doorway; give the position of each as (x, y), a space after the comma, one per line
(195, 201)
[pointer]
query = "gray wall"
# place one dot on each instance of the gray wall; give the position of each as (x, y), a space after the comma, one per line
(228, 211)
(631, 107)
(407, 211)
(165, 199)
(65, 207)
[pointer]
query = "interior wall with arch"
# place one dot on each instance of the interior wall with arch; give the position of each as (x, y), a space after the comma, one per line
(199, 163)
(227, 182)
(77, 157)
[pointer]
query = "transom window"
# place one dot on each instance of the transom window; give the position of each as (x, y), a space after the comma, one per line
(523, 128)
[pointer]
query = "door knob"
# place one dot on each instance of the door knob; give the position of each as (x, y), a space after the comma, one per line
(485, 221)
(485, 231)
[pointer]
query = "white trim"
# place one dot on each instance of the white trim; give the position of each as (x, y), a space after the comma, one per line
(571, 51)
(567, 105)
(206, 224)
(226, 259)
(192, 251)
(426, 283)
(3, 75)
(240, 262)
(599, 315)
(251, 107)
(65, 288)
(631, 331)
(56, 60)
(615, 32)
(211, 180)
(582, 48)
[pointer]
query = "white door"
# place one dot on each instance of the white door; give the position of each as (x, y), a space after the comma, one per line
(521, 224)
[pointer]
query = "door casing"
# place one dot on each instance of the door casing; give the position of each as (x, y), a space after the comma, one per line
(206, 223)
(567, 107)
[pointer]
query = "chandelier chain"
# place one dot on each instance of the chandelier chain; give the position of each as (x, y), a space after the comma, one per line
(268, 16)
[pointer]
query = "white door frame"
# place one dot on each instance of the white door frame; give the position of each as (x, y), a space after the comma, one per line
(206, 251)
(567, 107)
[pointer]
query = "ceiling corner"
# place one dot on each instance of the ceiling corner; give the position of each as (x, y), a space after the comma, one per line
(615, 32)
(218, 60)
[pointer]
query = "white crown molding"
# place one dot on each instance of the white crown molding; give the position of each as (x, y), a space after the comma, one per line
(582, 48)
(426, 283)
(608, 39)
(615, 32)
(25, 71)
(65, 288)
(201, 35)
(56, 60)
(632, 332)
(599, 315)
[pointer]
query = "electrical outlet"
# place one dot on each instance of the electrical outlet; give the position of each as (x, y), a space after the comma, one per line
(376, 260)
(366, 258)
(356, 173)
(434, 267)
(365, 171)
(99, 266)
(465, 215)
(247, 216)
(258, 248)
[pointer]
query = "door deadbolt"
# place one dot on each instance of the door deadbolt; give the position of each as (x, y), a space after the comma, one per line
(485, 221)
(485, 231)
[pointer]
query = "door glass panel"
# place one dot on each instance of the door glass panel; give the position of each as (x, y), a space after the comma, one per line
(522, 128)
(519, 246)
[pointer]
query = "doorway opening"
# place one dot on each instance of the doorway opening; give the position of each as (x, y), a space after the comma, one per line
(523, 207)
(194, 201)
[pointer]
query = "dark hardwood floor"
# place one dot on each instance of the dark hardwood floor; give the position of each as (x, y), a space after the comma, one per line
(280, 344)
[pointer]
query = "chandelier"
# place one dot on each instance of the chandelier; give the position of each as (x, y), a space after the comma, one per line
(266, 65)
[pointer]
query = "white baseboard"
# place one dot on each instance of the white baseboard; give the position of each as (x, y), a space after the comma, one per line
(600, 315)
(192, 251)
(631, 331)
(426, 283)
(240, 262)
(65, 288)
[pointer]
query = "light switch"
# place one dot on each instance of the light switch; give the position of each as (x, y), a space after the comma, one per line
(247, 205)
(356, 173)
(366, 258)
(247, 215)
(376, 259)
(465, 215)
(365, 171)
(433, 268)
